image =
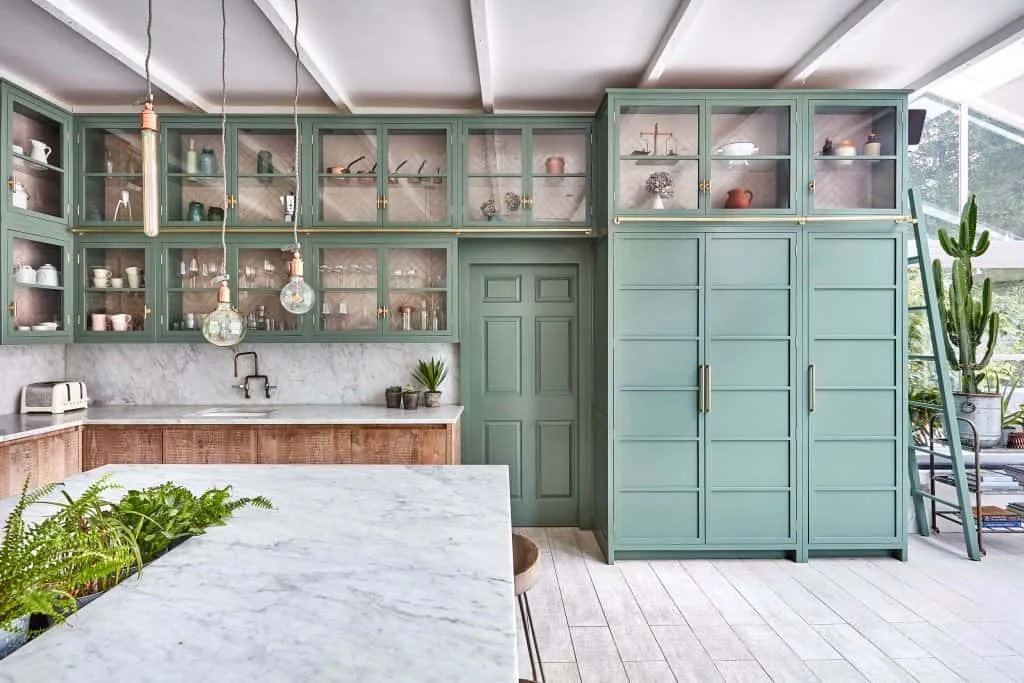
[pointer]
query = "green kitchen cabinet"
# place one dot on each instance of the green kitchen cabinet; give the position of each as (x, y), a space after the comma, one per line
(37, 153)
(36, 287)
(395, 290)
(519, 172)
(704, 449)
(379, 173)
(185, 285)
(116, 284)
(109, 172)
(856, 470)
(261, 269)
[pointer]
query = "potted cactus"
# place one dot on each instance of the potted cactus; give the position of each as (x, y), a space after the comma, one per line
(971, 328)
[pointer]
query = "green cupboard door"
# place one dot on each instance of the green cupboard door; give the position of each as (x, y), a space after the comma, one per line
(658, 467)
(855, 321)
(522, 356)
(751, 322)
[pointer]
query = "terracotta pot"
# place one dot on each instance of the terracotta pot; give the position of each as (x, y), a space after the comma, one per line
(554, 165)
(739, 198)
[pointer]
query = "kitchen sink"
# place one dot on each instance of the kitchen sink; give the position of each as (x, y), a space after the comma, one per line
(233, 412)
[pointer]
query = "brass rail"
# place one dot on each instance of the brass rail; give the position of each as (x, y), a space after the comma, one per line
(799, 220)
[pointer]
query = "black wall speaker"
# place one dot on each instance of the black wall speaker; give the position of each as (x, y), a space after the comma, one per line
(916, 125)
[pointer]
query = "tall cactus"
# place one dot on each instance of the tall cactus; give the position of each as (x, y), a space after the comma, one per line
(966, 320)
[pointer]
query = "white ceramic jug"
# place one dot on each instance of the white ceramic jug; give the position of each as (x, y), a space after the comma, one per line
(40, 150)
(19, 197)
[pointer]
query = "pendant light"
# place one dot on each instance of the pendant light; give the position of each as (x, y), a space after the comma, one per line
(225, 325)
(149, 131)
(296, 296)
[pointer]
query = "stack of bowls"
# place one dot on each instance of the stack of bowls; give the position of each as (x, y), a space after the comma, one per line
(100, 278)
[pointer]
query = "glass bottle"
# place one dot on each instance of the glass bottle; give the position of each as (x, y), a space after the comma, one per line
(191, 157)
(423, 315)
(433, 320)
(406, 318)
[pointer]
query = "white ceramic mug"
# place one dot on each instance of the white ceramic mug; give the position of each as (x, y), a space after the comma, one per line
(190, 321)
(100, 283)
(99, 322)
(119, 322)
(117, 282)
(132, 273)
(101, 273)
(40, 150)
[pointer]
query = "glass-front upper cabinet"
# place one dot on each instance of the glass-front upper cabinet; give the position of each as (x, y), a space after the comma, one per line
(37, 268)
(37, 150)
(260, 273)
(751, 158)
(855, 160)
(417, 291)
(189, 289)
(349, 304)
(110, 157)
(383, 175)
(115, 290)
(526, 175)
(263, 182)
(194, 168)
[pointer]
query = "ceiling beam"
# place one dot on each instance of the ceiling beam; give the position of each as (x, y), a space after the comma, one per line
(980, 50)
(671, 38)
(121, 48)
(809, 63)
(311, 59)
(482, 44)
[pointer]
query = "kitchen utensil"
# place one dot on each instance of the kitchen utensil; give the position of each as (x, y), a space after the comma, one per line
(191, 157)
(288, 206)
(419, 173)
(98, 283)
(47, 275)
(828, 148)
(437, 176)
(119, 322)
(738, 148)
(99, 322)
(739, 198)
(117, 282)
(264, 161)
(215, 214)
(195, 212)
(368, 177)
(392, 180)
(554, 165)
(40, 151)
(25, 274)
(347, 168)
(24, 328)
(207, 162)
(190, 321)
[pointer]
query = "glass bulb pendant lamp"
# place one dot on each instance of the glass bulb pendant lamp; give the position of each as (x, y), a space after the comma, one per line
(224, 326)
(296, 296)
(150, 178)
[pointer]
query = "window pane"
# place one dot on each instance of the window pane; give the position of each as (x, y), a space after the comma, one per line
(934, 164)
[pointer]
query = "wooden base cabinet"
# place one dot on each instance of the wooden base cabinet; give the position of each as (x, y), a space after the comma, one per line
(122, 445)
(757, 392)
(43, 459)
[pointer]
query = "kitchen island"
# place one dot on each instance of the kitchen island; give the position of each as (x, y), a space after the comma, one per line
(361, 574)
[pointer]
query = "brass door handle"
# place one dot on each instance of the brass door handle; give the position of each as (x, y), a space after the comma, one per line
(707, 388)
(813, 381)
(380, 203)
(700, 388)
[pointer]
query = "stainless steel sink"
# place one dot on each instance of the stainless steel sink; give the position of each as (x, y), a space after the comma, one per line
(233, 412)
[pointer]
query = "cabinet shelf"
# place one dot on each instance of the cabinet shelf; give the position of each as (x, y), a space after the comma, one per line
(28, 285)
(857, 157)
(31, 164)
(356, 290)
(414, 290)
(116, 290)
(94, 174)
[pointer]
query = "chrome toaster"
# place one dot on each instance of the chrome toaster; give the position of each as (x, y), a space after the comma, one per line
(55, 397)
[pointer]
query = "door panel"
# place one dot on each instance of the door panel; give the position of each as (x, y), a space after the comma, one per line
(522, 358)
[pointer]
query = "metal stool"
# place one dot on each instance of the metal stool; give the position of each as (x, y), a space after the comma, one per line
(526, 565)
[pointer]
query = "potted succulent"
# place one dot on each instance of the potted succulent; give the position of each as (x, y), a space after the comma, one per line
(393, 396)
(410, 398)
(431, 374)
(971, 327)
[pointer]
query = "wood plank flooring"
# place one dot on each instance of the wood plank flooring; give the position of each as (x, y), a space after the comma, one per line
(938, 617)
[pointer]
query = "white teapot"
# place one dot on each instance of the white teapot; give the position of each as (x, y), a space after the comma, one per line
(25, 274)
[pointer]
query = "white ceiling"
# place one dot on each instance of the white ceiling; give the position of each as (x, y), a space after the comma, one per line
(370, 56)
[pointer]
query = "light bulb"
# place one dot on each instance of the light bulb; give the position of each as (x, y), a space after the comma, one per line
(224, 326)
(296, 296)
(150, 173)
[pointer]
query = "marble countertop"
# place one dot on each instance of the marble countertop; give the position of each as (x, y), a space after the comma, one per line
(20, 426)
(362, 574)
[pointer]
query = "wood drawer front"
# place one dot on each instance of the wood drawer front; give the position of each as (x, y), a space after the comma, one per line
(218, 445)
(122, 445)
(16, 459)
(400, 446)
(44, 459)
(320, 444)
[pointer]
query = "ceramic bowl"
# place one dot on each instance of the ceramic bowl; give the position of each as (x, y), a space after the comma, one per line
(738, 149)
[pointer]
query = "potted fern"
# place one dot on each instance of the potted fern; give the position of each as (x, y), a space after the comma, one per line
(971, 328)
(431, 374)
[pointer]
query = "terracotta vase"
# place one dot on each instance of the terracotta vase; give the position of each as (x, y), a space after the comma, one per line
(739, 198)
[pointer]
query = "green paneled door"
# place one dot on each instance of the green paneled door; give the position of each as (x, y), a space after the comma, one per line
(522, 353)
(855, 464)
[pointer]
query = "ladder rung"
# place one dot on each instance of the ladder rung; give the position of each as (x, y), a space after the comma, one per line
(917, 356)
(922, 404)
(940, 500)
(913, 309)
(913, 260)
(938, 454)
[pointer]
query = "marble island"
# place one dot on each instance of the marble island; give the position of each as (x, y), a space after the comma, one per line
(361, 574)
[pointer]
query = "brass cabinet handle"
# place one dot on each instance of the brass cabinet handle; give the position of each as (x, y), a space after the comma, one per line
(384, 202)
(10, 182)
(387, 311)
(380, 309)
(810, 186)
(812, 380)
(707, 388)
(700, 388)
(707, 186)
(146, 310)
(13, 308)
(380, 203)
(700, 188)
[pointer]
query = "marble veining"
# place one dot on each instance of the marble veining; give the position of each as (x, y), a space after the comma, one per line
(20, 365)
(202, 374)
(362, 574)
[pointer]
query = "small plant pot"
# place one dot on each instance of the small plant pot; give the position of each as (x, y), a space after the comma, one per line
(432, 399)
(393, 399)
(411, 400)
(1005, 441)
(1016, 440)
(11, 640)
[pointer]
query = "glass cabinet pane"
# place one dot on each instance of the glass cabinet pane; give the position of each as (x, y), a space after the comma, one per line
(659, 131)
(491, 151)
(348, 179)
(195, 191)
(348, 285)
(191, 290)
(113, 175)
(745, 131)
(38, 287)
(494, 199)
(656, 185)
(266, 175)
(261, 275)
(559, 163)
(750, 184)
(559, 199)
(37, 168)
(115, 290)
(418, 290)
(659, 148)
(417, 183)
(854, 157)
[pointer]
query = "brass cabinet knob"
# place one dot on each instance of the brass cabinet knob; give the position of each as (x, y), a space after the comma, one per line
(10, 182)
(13, 308)
(146, 311)
(810, 186)
(701, 186)
(707, 186)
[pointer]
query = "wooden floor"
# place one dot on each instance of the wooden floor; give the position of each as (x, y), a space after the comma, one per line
(938, 617)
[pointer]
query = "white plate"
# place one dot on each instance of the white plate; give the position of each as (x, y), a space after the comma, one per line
(23, 328)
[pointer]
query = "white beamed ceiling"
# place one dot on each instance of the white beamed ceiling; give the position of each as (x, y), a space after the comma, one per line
(417, 56)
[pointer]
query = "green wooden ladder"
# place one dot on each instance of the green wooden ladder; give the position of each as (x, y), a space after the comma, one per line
(944, 408)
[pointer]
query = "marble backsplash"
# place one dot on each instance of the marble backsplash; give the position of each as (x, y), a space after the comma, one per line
(202, 374)
(20, 365)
